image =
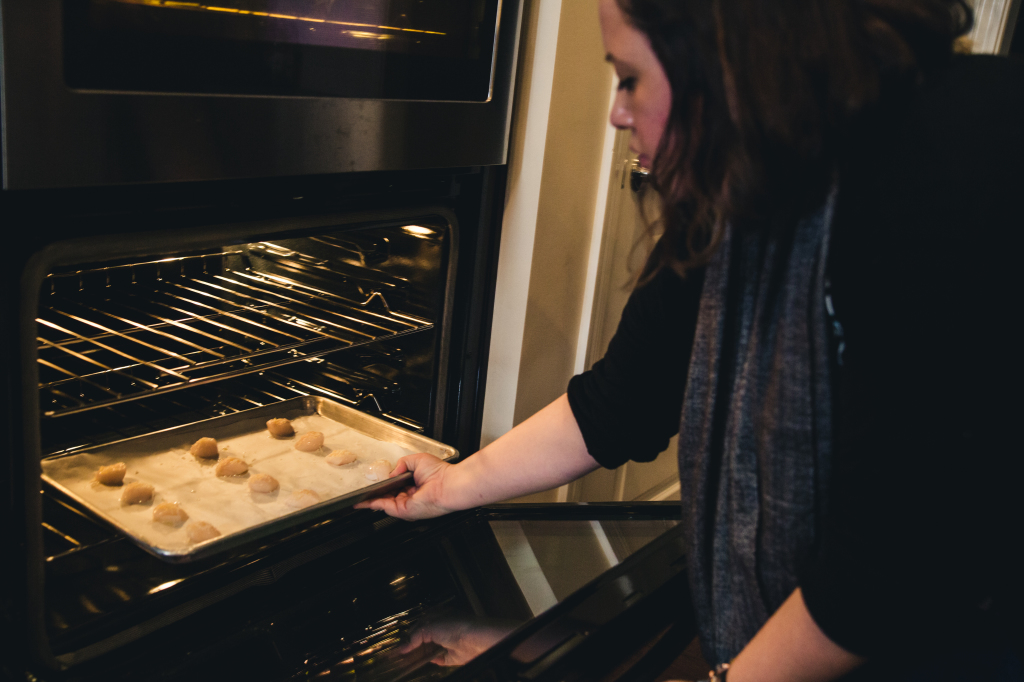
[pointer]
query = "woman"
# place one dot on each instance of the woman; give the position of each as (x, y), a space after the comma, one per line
(827, 311)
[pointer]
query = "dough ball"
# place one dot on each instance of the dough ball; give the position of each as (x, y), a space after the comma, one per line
(169, 513)
(263, 483)
(205, 448)
(112, 475)
(201, 531)
(340, 458)
(231, 466)
(379, 470)
(137, 493)
(310, 442)
(280, 428)
(301, 499)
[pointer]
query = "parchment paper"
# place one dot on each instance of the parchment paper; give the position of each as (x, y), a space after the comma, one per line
(165, 462)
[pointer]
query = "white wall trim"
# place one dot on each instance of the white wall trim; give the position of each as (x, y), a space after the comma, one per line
(669, 492)
(596, 237)
(606, 546)
(525, 567)
(993, 25)
(519, 226)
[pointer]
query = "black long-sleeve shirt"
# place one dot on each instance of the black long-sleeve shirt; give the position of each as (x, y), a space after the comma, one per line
(924, 526)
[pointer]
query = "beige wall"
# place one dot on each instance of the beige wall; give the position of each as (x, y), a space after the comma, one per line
(556, 193)
(565, 215)
(558, 139)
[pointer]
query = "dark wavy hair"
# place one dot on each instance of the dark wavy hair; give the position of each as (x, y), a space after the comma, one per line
(763, 92)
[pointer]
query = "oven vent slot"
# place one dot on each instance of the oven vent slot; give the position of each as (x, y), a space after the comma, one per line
(186, 324)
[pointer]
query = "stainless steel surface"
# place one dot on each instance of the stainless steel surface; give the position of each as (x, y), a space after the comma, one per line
(145, 338)
(363, 423)
(57, 137)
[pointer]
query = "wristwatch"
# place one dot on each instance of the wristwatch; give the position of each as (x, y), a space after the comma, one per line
(718, 674)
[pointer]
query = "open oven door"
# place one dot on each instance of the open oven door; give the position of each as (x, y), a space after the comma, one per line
(509, 592)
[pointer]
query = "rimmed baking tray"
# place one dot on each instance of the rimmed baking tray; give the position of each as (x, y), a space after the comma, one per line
(163, 460)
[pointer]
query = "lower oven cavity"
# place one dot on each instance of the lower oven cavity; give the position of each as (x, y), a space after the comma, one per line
(129, 347)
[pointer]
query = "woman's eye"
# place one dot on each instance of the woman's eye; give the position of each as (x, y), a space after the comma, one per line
(627, 84)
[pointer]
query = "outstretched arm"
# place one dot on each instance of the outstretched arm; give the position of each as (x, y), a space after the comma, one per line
(545, 451)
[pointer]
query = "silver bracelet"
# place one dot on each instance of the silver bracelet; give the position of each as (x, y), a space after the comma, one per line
(718, 674)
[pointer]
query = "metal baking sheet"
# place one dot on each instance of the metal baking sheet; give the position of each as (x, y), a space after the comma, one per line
(163, 460)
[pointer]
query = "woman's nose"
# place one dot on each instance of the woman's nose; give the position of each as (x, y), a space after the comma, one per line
(621, 117)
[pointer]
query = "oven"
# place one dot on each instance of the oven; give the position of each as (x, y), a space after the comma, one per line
(102, 92)
(204, 219)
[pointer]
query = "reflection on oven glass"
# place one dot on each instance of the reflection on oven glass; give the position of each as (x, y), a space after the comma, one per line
(552, 559)
(378, 49)
(331, 23)
(497, 576)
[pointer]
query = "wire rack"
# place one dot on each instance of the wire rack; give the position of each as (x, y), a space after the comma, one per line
(115, 344)
(354, 387)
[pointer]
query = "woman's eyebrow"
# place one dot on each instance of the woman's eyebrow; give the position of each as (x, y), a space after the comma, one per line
(618, 63)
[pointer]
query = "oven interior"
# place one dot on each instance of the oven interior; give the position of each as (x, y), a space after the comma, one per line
(127, 346)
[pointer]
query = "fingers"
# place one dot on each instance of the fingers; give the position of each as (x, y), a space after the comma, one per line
(443, 660)
(400, 468)
(372, 503)
(418, 501)
(416, 640)
(406, 463)
(384, 504)
(400, 505)
(421, 464)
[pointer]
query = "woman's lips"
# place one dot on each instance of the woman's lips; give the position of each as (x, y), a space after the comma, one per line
(644, 161)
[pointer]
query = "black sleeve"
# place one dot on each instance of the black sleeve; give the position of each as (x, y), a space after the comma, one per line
(923, 526)
(628, 405)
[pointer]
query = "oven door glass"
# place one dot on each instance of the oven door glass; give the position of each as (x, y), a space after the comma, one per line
(501, 587)
(379, 49)
(452, 597)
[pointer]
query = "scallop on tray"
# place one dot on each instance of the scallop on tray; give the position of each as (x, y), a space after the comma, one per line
(352, 464)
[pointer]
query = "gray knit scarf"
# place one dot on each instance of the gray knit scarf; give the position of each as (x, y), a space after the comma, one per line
(756, 434)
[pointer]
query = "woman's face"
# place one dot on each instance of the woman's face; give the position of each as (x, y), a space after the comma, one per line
(644, 98)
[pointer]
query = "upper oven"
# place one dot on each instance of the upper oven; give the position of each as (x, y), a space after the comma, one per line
(103, 92)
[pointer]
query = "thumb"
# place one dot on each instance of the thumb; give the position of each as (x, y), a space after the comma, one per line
(421, 465)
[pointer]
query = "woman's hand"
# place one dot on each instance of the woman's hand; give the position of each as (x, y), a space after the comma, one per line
(460, 639)
(545, 451)
(423, 500)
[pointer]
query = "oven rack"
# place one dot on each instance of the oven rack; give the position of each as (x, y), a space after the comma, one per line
(357, 388)
(98, 348)
(73, 540)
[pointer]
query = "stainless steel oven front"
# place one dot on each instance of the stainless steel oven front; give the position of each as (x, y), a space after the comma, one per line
(101, 92)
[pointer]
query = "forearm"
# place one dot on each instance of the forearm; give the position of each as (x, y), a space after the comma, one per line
(791, 648)
(543, 452)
